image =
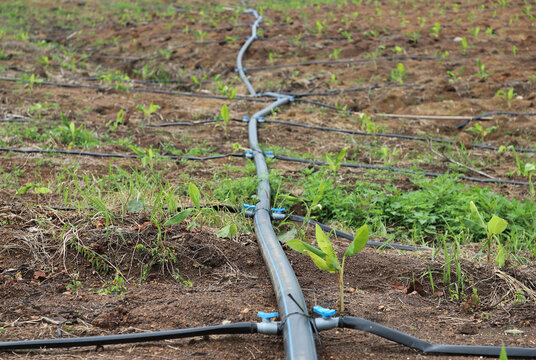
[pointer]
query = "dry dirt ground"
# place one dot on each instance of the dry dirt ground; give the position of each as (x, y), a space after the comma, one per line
(228, 280)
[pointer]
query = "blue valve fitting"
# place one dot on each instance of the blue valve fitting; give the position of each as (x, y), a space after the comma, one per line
(245, 118)
(248, 207)
(291, 98)
(235, 69)
(260, 119)
(324, 312)
(267, 317)
(278, 210)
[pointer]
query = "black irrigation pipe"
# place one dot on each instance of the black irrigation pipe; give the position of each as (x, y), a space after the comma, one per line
(344, 235)
(342, 61)
(425, 347)
(406, 171)
(341, 91)
(296, 326)
(122, 156)
(155, 91)
(388, 135)
(237, 328)
(461, 125)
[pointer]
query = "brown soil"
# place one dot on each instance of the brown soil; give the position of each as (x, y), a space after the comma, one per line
(229, 282)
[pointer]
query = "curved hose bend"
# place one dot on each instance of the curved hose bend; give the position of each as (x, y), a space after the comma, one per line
(430, 348)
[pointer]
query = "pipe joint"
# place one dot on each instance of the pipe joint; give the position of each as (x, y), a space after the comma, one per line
(326, 323)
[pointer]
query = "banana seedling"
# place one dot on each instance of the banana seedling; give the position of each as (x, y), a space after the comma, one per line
(326, 259)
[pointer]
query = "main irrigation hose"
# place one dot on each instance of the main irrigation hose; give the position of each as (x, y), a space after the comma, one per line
(237, 328)
(296, 329)
(430, 348)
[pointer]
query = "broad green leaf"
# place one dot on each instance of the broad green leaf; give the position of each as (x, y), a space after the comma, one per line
(225, 112)
(42, 190)
(476, 217)
(342, 154)
(320, 263)
(332, 165)
(24, 189)
(178, 218)
(360, 241)
(227, 231)
(500, 259)
(334, 262)
(319, 194)
(135, 205)
(193, 191)
(297, 245)
(286, 236)
(496, 225)
(324, 244)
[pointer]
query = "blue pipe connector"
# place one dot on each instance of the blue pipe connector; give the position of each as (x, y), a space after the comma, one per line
(278, 210)
(324, 312)
(248, 207)
(245, 118)
(267, 317)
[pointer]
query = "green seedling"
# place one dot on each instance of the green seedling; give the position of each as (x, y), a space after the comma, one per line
(464, 46)
(482, 73)
(120, 81)
(30, 80)
(224, 116)
(320, 26)
(335, 54)
(507, 96)
(226, 90)
(119, 120)
(414, 36)
(493, 228)
(514, 50)
(399, 74)
(145, 73)
(435, 30)
(398, 50)
(115, 287)
(523, 168)
(490, 31)
(149, 155)
(474, 32)
(481, 132)
(455, 76)
(148, 111)
(335, 162)
(326, 259)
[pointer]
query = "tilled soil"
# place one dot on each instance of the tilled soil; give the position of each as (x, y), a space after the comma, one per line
(228, 280)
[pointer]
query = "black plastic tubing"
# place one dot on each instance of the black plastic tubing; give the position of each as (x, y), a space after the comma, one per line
(429, 348)
(296, 327)
(237, 328)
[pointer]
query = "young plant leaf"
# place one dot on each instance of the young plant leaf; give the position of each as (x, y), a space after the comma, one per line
(496, 225)
(325, 245)
(321, 263)
(360, 241)
(193, 191)
(500, 259)
(302, 247)
(476, 217)
(287, 236)
(178, 218)
(135, 205)
(227, 231)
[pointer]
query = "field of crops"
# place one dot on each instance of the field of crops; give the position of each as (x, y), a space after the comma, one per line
(129, 176)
